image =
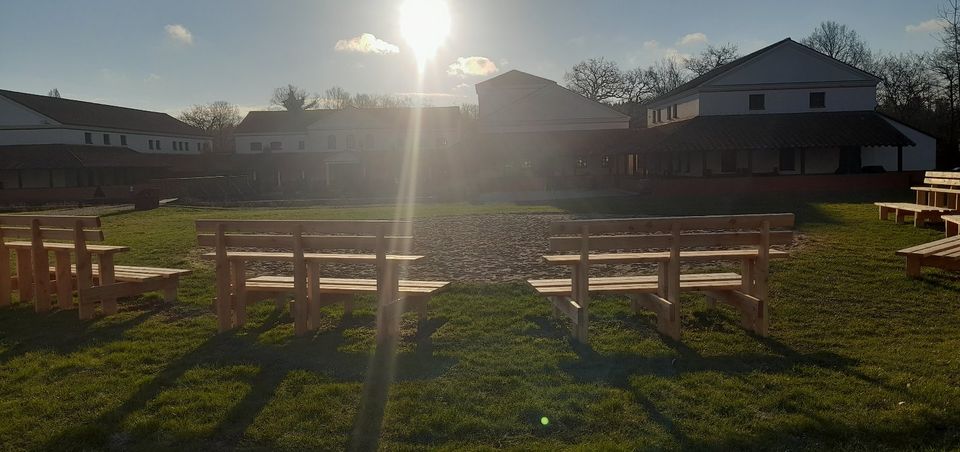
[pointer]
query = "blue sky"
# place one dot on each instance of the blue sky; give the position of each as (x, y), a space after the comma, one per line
(168, 55)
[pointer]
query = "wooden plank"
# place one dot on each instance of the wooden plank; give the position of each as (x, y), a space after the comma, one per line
(704, 239)
(941, 181)
(222, 272)
(64, 278)
(55, 246)
(601, 280)
(660, 256)
(935, 190)
(52, 234)
(761, 274)
(567, 307)
(343, 258)
(313, 294)
(41, 274)
(238, 271)
(84, 273)
(24, 275)
(664, 224)
(108, 304)
(300, 307)
(943, 174)
(931, 247)
(309, 241)
(908, 207)
(54, 221)
(304, 226)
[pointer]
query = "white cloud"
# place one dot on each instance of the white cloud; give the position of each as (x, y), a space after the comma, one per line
(927, 26)
(366, 43)
(179, 34)
(692, 39)
(651, 44)
(152, 78)
(474, 65)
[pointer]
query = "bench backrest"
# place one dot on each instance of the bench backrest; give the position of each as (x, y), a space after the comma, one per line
(944, 179)
(309, 235)
(671, 232)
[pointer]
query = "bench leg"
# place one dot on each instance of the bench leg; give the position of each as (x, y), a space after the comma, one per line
(951, 228)
(913, 266)
(109, 305)
(761, 325)
(313, 295)
(170, 290)
(24, 275)
(919, 219)
(422, 303)
(348, 307)
(64, 281)
(900, 216)
(711, 302)
(86, 308)
(884, 212)
(582, 327)
(6, 284)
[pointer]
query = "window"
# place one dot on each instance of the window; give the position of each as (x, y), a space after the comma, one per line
(605, 161)
(728, 161)
(88, 138)
(527, 164)
(173, 145)
(674, 111)
(350, 141)
(150, 144)
(301, 145)
(256, 146)
(186, 145)
(276, 145)
(123, 140)
(788, 160)
(659, 115)
(157, 142)
(331, 142)
(818, 100)
(206, 146)
(581, 162)
(106, 138)
(757, 102)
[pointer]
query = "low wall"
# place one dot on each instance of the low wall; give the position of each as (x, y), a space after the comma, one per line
(845, 183)
(88, 195)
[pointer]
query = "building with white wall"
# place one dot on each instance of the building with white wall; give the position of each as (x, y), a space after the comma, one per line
(348, 150)
(784, 109)
(50, 142)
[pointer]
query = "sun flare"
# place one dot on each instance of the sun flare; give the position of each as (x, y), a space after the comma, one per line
(424, 24)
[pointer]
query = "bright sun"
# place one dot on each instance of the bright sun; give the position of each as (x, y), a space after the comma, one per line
(425, 25)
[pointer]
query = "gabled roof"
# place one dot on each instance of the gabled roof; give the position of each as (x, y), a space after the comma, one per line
(258, 122)
(768, 131)
(515, 77)
(79, 113)
(67, 156)
(722, 69)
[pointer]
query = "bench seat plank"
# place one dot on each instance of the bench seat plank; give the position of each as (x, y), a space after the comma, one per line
(911, 207)
(127, 273)
(931, 248)
(341, 285)
(342, 258)
(663, 256)
(640, 284)
(63, 246)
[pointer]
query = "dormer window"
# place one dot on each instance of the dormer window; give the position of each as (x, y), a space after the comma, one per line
(757, 102)
(818, 100)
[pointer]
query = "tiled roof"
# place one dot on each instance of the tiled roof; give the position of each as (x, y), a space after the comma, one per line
(766, 131)
(287, 121)
(65, 156)
(80, 113)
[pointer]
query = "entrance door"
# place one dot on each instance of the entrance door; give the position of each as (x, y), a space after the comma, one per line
(849, 160)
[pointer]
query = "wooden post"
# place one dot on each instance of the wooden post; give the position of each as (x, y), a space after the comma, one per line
(583, 287)
(222, 269)
(299, 284)
(84, 272)
(384, 286)
(64, 280)
(41, 268)
(239, 299)
(761, 275)
(313, 293)
(24, 275)
(673, 282)
(5, 283)
(748, 286)
(109, 305)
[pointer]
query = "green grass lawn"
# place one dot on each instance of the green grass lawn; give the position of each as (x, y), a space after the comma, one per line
(860, 357)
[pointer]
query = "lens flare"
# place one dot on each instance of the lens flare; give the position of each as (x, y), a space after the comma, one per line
(424, 24)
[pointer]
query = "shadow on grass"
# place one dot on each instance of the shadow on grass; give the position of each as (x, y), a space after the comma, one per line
(62, 331)
(319, 354)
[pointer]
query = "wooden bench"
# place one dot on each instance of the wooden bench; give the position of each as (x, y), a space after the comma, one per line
(291, 241)
(940, 196)
(951, 225)
(943, 253)
(66, 237)
(700, 238)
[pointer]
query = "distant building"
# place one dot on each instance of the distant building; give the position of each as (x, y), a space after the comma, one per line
(84, 148)
(784, 109)
(353, 150)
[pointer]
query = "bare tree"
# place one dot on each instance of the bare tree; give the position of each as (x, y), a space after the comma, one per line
(710, 58)
(948, 63)
(841, 42)
(337, 98)
(54, 93)
(908, 84)
(294, 98)
(636, 86)
(596, 79)
(665, 75)
(216, 118)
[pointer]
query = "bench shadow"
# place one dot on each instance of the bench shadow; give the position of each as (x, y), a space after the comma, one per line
(33, 330)
(318, 354)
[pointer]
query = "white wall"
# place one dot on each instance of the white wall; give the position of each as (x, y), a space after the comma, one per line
(687, 108)
(62, 135)
(289, 142)
(923, 156)
(316, 140)
(788, 101)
